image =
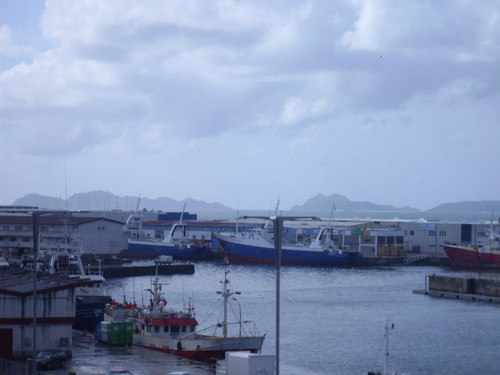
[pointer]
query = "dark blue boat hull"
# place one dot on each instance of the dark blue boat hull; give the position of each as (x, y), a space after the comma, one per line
(241, 253)
(89, 312)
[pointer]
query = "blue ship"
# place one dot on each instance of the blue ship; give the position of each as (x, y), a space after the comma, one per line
(257, 247)
(150, 249)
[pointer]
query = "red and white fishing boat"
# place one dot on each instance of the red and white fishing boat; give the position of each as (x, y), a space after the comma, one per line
(486, 253)
(176, 332)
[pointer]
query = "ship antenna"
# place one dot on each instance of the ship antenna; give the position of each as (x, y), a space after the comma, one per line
(386, 354)
(226, 293)
(331, 214)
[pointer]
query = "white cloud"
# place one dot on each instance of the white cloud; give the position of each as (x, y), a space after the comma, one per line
(257, 80)
(9, 48)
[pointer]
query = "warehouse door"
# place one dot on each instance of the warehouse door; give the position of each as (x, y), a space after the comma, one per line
(466, 235)
(6, 340)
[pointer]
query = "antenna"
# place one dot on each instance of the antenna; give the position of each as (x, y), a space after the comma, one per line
(331, 214)
(388, 326)
(182, 213)
(65, 185)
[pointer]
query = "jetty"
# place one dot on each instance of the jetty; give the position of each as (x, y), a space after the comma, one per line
(131, 270)
(481, 288)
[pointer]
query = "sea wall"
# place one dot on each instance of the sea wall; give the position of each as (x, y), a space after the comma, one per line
(468, 285)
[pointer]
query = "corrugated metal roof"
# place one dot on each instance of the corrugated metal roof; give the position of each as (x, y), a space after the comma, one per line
(15, 281)
(51, 219)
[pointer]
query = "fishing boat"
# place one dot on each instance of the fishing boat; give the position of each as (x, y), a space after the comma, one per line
(158, 327)
(257, 246)
(387, 329)
(91, 298)
(175, 244)
(486, 253)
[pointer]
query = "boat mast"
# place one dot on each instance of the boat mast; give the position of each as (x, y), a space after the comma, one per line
(386, 355)
(226, 293)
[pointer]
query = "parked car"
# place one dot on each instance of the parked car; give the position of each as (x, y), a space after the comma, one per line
(51, 359)
(119, 372)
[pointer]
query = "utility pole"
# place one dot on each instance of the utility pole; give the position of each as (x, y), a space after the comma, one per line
(35, 223)
(278, 241)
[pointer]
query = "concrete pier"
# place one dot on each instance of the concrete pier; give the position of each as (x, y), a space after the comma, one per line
(129, 270)
(473, 288)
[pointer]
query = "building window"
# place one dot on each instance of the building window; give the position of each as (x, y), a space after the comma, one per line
(442, 233)
(412, 233)
(5, 227)
(183, 328)
(192, 328)
(165, 328)
(157, 329)
(432, 233)
(19, 227)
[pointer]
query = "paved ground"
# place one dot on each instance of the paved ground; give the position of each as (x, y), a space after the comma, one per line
(94, 358)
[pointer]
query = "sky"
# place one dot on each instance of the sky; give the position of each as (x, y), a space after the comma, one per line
(241, 102)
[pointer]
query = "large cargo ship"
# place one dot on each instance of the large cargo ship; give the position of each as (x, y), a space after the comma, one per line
(486, 253)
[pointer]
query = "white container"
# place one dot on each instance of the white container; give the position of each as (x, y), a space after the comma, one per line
(245, 363)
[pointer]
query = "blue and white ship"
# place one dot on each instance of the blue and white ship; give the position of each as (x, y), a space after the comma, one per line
(257, 247)
(175, 244)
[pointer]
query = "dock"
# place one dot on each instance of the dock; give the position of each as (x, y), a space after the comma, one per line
(130, 270)
(470, 288)
(461, 296)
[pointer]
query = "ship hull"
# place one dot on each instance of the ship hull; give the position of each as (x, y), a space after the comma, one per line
(469, 256)
(243, 253)
(89, 312)
(200, 348)
(151, 250)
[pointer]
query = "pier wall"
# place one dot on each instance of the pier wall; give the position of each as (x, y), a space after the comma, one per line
(465, 285)
(130, 271)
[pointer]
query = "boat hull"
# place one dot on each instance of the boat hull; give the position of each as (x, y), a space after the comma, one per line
(470, 256)
(200, 348)
(243, 253)
(151, 250)
(89, 312)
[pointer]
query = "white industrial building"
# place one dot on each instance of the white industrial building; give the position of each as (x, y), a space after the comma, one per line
(54, 313)
(94, 236)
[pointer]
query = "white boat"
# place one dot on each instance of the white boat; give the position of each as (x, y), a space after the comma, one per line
(91, 299)
(157, 327)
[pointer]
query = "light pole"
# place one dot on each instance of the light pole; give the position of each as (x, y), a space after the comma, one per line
(278, 240)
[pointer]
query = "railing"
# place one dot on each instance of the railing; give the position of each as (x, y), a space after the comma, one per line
(13, 368)
(416, 258)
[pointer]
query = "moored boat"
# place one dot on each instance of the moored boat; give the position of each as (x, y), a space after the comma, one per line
(486, 253)
(175, 244)
(158, 327)
(257, 246)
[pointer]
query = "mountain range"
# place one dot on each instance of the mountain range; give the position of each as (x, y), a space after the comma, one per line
(103, 200)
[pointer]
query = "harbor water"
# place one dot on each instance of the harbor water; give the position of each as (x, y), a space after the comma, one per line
(333, 319)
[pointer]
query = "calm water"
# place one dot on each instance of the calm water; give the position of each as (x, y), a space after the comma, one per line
(332, 320)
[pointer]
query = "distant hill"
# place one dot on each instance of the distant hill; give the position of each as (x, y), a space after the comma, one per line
(103, 200)
(321, 202)
(469, 206)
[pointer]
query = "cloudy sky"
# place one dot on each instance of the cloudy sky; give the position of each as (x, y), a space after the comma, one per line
(391, 101)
